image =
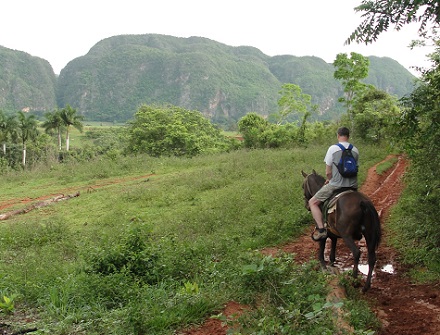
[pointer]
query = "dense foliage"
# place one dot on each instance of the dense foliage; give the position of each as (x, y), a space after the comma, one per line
(174, 131)
(418, 127)
(420, 132)
(375, 115)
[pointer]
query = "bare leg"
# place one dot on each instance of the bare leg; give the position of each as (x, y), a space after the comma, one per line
(316, 212)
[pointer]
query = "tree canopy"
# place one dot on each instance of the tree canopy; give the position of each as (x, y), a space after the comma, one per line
(173, 131)
(381, 15)
(350, 71)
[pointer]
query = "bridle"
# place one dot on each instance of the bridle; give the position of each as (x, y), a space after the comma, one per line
(307, 191)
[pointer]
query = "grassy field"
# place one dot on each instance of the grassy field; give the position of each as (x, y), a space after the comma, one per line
(153, 245)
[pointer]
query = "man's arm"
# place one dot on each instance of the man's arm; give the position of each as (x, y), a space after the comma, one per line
(328, 173)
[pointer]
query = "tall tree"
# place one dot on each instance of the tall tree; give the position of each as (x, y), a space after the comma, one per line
(54, 121)
(293, 102)
(380, 15)
(350, 71)
(70, 118)
(27, 125)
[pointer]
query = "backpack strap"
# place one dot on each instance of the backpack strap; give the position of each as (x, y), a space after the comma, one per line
(341, 146)
(350, 146)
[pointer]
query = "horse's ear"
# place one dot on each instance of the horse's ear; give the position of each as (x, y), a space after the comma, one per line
(314, 172)
(303, 173)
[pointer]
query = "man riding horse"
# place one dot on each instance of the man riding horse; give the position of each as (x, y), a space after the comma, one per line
(334, 182)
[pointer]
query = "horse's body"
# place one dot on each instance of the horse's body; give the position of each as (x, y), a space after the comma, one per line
(354, 217)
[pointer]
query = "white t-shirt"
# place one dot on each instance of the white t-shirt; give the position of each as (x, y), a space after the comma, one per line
(332, 158)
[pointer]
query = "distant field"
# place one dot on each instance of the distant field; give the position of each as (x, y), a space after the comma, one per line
(102, 124)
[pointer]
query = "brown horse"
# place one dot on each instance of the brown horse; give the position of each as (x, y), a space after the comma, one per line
(354, 217)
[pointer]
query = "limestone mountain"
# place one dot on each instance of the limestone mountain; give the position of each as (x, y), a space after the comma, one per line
(223, 82)
(120, 73)
(27, 83)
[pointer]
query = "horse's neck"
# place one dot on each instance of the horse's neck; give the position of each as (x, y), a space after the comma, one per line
(315, 187)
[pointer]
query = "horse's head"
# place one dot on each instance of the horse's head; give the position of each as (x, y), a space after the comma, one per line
(311, 184)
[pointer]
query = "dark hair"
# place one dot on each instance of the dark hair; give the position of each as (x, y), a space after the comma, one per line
(343, 131)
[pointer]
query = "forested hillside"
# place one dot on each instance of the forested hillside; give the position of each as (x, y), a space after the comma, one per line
(26, 82)
(225, 83)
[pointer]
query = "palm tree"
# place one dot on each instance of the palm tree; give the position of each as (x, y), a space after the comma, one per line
(8, 129)
(3, 131)
(28, 130)
(54, 121)
(70, 118)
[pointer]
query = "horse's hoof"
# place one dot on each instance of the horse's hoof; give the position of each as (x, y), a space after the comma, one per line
(333, 270)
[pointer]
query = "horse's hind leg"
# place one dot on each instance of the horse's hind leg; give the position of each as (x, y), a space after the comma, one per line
(333, 251)
(371, 264)
(356, 254)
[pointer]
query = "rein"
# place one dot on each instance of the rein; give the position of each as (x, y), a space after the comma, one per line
(307, 187)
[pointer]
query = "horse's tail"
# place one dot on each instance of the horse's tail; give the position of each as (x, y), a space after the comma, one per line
(369, 210)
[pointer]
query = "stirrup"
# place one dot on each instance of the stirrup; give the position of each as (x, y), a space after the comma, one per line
(318, 236)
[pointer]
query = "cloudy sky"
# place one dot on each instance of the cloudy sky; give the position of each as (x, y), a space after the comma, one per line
(60, 31)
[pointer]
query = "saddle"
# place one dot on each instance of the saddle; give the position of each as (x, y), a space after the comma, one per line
(329, 206)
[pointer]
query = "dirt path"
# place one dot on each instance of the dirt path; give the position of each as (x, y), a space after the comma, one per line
(402, 307)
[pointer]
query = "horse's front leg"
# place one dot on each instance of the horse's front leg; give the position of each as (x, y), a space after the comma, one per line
(333, 251)
(321, 254)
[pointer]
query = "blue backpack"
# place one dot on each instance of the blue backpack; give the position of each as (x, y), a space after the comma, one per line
(347, 165)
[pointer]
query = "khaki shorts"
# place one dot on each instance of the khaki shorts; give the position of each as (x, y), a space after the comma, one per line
(325, 192)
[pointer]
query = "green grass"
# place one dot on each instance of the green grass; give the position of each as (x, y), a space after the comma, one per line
(386, 165)
(414, 228)
(153, 245)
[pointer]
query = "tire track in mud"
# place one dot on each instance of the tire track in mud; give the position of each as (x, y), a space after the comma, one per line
(5, 204)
